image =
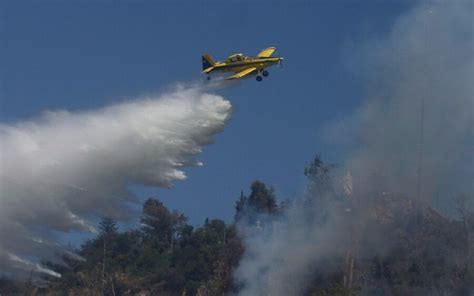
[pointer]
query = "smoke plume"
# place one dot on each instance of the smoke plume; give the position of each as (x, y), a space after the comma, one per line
(65, 169)
(413, 137)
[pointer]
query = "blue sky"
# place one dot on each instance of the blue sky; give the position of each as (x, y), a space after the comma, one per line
(80, 55)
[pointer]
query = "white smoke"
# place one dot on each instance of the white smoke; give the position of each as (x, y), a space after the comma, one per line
(423, 71)
(63, 170)
(428, 55)
(280, 258)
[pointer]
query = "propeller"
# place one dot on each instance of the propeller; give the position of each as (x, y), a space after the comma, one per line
(280, 62)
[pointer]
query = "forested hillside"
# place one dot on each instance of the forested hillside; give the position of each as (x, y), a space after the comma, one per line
(399, 248)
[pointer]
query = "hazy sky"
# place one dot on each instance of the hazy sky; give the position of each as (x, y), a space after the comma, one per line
(80, 55)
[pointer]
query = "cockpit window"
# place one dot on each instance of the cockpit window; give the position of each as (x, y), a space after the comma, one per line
(235, 58)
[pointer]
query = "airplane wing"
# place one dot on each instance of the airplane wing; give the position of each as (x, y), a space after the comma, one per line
(242, 73)
(267, 52)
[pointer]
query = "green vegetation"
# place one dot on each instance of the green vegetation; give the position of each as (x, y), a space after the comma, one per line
(168, 256)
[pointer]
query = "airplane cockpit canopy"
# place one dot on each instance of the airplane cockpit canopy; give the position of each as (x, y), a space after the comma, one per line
(236, 58)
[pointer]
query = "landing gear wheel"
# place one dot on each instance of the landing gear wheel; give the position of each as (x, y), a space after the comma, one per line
(208, 77)
(259, 78)
(265, 73)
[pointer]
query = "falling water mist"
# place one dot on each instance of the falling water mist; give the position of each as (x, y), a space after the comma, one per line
(61, 171)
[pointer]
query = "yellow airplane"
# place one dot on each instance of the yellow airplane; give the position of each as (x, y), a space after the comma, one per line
(242, 65)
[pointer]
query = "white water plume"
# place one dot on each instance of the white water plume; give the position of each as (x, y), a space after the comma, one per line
(64, 169)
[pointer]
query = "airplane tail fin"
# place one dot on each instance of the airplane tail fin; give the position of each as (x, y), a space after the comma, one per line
(207, 62)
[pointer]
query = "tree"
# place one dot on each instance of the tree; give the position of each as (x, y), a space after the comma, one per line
(320, 178)
(260, 201)
(107, 227)
(161, 225)
(107, 232)
(240, 207)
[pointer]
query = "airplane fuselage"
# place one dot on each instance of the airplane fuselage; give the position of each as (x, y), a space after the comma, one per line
(259, 63)
(242, 65)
